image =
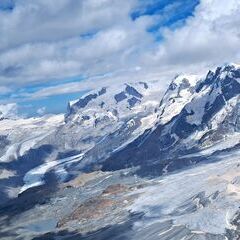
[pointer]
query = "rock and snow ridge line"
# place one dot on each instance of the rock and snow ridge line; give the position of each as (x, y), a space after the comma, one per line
(113, 105)
(192, 118)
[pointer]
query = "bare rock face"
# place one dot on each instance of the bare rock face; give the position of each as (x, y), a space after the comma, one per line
(82, 180)
(109, 204)
(114, 189)
(92, 209)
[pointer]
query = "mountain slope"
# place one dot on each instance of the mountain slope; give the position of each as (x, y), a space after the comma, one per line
(20, 150)
(209, 115)
(95, 125)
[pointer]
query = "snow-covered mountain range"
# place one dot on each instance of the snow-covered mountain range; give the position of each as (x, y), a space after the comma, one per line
(128, 133)
(102, 121)
(197, 117)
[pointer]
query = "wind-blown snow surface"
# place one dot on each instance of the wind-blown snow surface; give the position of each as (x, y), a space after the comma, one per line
(204, 199)
(35, 177)
(197, 203)
(179, 93)
(18, 137)
(24, 134)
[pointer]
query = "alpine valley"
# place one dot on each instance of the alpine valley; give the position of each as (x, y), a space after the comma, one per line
(128, 162)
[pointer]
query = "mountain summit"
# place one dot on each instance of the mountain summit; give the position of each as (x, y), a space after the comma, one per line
(195, 117)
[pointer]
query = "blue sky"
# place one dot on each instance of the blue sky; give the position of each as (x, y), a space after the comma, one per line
(55, 51)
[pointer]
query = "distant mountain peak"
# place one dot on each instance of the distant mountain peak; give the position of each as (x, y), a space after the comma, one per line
(191, 79)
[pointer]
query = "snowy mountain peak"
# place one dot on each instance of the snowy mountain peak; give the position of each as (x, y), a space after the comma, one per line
(105, 120)
(179, 92)
(214, 102)
(230, 65)
(231, 71)
(194, 120)
(185, 79)
(115, 102)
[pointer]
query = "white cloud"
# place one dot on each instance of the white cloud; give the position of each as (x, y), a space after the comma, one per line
(47, 44)
(211, 37)
(43, 40)
(44, 20)
(124, 76)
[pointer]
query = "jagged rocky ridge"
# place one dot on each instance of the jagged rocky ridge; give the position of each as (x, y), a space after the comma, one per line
(207, 121)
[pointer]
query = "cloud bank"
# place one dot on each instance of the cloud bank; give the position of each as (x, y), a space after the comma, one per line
(103, 41)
